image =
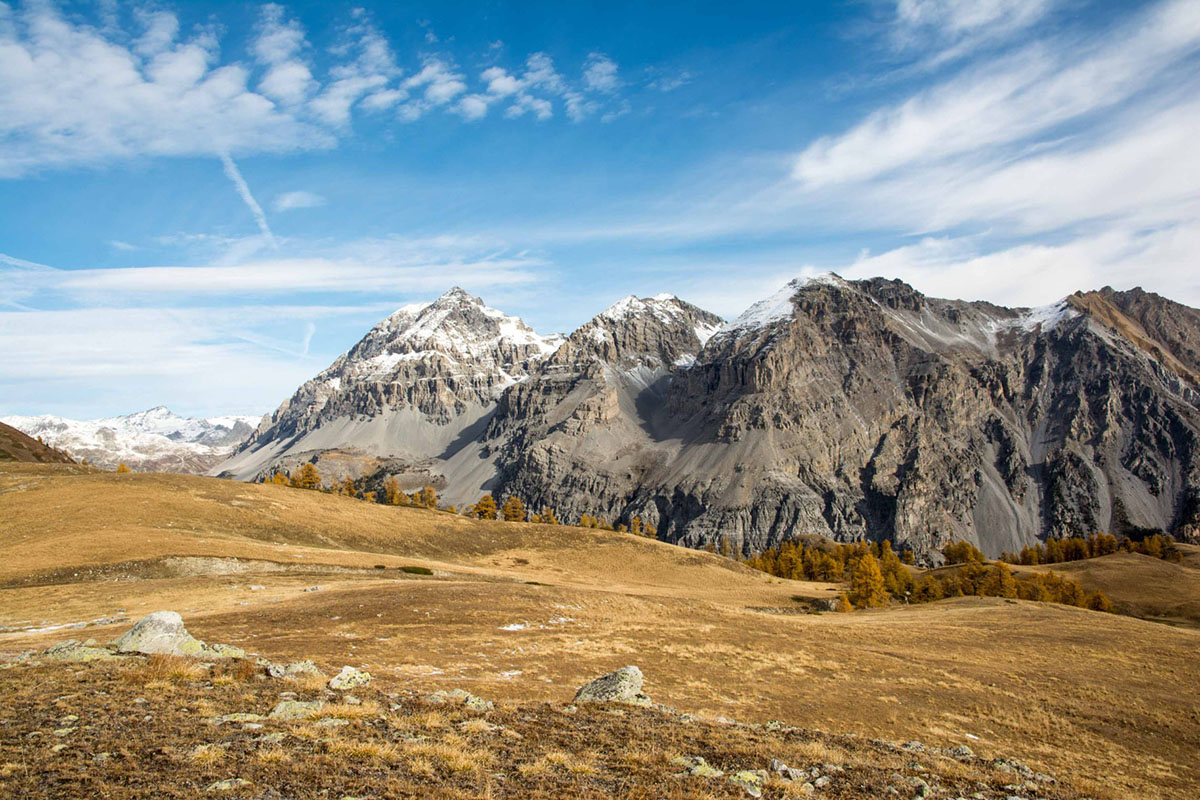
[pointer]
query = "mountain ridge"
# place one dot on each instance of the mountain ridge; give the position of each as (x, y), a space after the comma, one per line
(848, 409)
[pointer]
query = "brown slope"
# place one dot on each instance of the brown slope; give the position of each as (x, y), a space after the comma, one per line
(16, 446)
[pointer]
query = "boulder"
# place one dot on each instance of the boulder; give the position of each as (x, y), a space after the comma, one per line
(622, 686)
(349, 678)
(163, 633)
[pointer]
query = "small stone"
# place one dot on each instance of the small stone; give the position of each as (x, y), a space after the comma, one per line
(460, 697)
(351, 700)
(58, 748)
(822, 782)
(272, 738)
(64, 731)
(778, 766)
(227, 785)
(349, 678)
(236, 718)
(333, 722)
(751, 781)
(295, 709)
(962, 752)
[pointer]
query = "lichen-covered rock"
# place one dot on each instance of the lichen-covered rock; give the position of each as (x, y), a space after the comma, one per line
(697, 767)
(227, 785)
(295, 669)
(751, 781)
(295, 709)
(621, 686)
(236, 718)
(460, 697)
(349, 678)
(72, 651)
(160, 633)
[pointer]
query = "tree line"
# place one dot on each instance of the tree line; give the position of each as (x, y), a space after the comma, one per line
(1057, 551)
(307, 476)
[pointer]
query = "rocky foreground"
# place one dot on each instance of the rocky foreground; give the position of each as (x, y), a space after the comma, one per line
(137, 718)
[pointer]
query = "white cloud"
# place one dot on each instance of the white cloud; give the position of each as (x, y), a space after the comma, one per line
(945, 30)
(1037, 274)
(69, 95)
(600, 73)
(998, 102)
(278, 46)
(298, 199)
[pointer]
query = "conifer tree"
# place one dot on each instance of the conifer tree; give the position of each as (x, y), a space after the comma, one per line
(513, 509)
(306, 477)
(279, 479)
(866, 583)
(391, 491)
(122, 467)
(485, 508)
(429, 497)
(547, 516)
(999, 582)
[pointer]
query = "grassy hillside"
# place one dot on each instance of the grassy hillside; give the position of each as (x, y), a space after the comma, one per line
(16, 446)
(1140, 585)
(521, 613)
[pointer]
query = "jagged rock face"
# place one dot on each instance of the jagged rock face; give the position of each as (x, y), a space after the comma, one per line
(408, 389)
(580, 431)
(847, 409)
(871, 411)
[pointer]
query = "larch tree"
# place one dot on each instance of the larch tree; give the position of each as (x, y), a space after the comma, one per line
(513, 509)
(485, 508)
(866, 583)
(429, 497)
(122, 467)
(306, 477)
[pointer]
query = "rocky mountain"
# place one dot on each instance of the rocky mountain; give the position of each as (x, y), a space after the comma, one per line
(850, 409)
(415, 389)
(152, 440)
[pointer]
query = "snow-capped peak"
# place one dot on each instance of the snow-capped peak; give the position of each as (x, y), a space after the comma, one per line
(779, 305)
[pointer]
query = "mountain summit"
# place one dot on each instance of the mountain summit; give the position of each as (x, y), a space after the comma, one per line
(849, 409)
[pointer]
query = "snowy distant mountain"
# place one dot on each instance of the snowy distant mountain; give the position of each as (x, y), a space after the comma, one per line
(155, 440)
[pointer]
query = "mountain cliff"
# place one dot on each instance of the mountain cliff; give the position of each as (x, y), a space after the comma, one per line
(850, 409)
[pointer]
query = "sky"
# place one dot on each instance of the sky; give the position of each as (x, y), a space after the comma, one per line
(203, 204)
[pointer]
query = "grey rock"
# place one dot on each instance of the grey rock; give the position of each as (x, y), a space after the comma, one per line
(163, 633)
(750, 781)
(295, 669)
(460, 697)
(622, 686)
(349, 678)
(72, 651)
(227, 785)
(295, 709)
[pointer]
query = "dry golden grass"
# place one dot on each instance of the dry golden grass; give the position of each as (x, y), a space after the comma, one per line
(273, 756)
(364, 750)
(161, 672)
(207, 755)
(1068, 690)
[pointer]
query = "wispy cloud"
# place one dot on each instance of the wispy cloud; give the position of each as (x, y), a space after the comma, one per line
(239, 183)
(297, 199)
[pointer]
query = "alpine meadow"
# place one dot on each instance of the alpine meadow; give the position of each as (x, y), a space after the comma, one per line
(600, 400)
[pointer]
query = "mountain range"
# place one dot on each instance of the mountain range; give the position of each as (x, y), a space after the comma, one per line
(849, 409)
(152, 440)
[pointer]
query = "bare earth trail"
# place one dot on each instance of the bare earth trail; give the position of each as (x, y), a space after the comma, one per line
(519, 612)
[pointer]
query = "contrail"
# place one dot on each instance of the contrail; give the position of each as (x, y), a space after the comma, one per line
(232, 172)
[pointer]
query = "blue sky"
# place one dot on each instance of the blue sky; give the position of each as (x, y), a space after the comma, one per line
(203, 204)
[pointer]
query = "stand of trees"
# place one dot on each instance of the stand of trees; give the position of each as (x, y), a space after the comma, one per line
(877, 575)
(1057, 551)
